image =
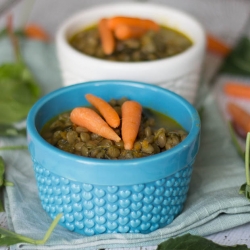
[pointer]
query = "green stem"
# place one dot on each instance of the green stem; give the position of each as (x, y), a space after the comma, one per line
(14, 147)
(235, 141)
(13, 39)
(8, 183)
(50, 230)
(32, 241)
(247, 158)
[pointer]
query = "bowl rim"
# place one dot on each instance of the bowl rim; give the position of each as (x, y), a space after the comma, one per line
(97, 165)
(198, 47)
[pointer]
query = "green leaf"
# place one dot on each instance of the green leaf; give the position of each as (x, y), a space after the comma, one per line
(193, 242)
(1, 180)
(238, 61)
(9, 130)
(1, 207)
(245, 188)
(247, 159)
(8, 241)
(9, 238)
(19, 91)
(1, 171)
(242, 188)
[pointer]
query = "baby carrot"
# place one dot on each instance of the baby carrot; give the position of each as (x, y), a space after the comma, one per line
(147, 24)
(106, 110)
(237, 89)
(35, 31)
(106, 36)
(131, 119)
(88, 118)
(123, 32)
(240, 116)
(216, 46)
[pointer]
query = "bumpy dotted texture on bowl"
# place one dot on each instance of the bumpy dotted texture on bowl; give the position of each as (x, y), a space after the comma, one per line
(95, 209)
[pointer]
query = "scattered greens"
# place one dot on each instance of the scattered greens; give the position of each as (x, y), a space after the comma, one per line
(194, 242)
(19, 90)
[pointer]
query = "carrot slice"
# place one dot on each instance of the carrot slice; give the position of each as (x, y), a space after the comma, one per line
(106, 110)
(147, 24)
(35, 31)
(131, 119)
(106, 36)
(124, 32)
(240, 116)
(88, 118)
(237, 89)
(216, 46)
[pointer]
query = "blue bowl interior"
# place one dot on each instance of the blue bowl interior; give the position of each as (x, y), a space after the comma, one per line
(148, 95)
(103, 171)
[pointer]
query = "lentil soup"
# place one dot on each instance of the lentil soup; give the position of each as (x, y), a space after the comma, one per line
(152, 45)
(157, 133)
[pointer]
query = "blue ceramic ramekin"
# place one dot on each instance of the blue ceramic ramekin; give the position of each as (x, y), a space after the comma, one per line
(113, 196)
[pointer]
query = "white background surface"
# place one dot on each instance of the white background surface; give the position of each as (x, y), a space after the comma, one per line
(225, 18)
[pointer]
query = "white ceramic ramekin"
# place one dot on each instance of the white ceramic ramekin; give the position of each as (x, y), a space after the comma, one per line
(180, 73)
